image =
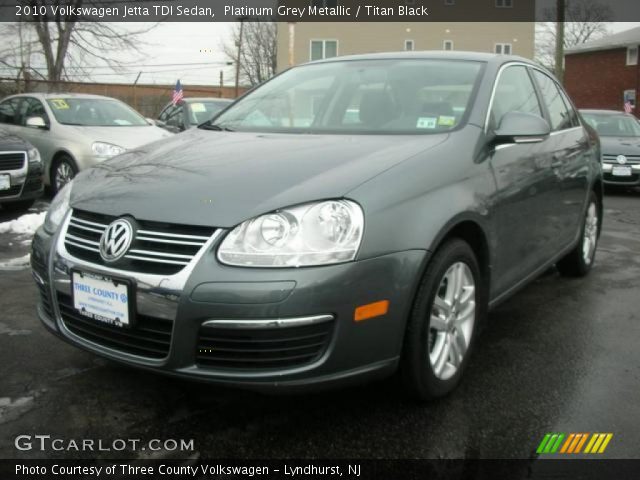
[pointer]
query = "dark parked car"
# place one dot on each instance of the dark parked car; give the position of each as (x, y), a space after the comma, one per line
(620, 139)
(346, 219)
(190, 112)
(20, 173)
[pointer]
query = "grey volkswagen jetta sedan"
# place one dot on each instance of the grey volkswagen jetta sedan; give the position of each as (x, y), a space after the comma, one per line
(348, 219)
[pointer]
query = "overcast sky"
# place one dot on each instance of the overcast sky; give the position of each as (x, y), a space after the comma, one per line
(172, 45)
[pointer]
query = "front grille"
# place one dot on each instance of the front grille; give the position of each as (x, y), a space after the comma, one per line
(11, 192)
(631, 159)
(262, 349)
(158, 248)
(149, 337)
(12, 161)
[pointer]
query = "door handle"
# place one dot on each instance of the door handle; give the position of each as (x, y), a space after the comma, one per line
(556, 162)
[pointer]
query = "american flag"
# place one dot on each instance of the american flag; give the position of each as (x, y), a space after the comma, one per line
(178, 93)
(628, 107)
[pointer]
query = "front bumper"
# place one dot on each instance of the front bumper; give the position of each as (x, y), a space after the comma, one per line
(250, 301)
(630, 181)
(26, 184)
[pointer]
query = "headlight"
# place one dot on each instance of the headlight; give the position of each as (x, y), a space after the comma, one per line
(101, 149)
(318, 233)
(58, 209)
(34, 156)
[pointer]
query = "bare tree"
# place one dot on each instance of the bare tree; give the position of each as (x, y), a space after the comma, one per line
(259, 50)
(585, 20)
(72, 45)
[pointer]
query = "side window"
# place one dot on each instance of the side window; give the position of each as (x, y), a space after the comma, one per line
(573, 115)
(514, 93)
(166, 113)
(32, 107)
(559, 115)
(176, 117)
(9, 111)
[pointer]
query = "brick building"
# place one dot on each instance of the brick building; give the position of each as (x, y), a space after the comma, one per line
(605, 73)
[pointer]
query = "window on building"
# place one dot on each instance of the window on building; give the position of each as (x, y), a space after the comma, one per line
(514, 93)
(503, 48)
(629, 96)
(323, 49)
(408, 45)
(632, 56)
(447, 45)
(504, 3)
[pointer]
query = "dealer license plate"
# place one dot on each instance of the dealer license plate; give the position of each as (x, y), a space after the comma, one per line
(5, 182)
(621, 171)
(101, 298)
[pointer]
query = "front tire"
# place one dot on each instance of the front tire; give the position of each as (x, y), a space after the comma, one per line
(450, 304)
(579, 261)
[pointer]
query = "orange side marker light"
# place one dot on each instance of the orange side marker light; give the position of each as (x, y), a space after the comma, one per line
(371, 310)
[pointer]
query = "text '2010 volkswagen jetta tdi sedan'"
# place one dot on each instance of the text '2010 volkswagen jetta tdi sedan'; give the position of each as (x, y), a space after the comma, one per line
(345, 220)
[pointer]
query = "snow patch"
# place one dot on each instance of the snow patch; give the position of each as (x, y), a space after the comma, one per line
(15, 263)
(24, 225)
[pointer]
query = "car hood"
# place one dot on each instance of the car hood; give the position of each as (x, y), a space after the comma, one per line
(223, 178)
(620, 145)
(10, 142)
(126, 137)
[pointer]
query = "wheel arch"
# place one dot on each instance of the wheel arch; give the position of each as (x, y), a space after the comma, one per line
(470, 228)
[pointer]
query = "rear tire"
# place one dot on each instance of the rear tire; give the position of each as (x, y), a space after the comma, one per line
(448, 309)
(579, 261)
(64, 169)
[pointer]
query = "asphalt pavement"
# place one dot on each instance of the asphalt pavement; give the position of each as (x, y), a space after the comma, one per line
(560, 356)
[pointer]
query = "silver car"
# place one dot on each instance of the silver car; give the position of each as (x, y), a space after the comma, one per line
(75, 131)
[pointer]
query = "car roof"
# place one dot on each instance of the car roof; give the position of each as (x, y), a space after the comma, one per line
(604, 112)
(207, 99)
(433, 55)
(46, 96)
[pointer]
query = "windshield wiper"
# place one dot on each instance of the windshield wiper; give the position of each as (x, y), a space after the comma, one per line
(213, 126)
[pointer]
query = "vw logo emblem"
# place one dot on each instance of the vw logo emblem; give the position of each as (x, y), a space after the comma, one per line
(116, 240)
(622, 160)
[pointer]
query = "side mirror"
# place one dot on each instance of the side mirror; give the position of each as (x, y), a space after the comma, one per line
(36, 122)
(519, 127)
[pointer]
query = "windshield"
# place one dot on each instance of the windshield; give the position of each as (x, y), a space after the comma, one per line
(95, 112)
(201, 111)
(366, 96)
(613, 125)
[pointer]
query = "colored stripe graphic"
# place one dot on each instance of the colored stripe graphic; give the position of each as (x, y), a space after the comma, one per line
(572, 443)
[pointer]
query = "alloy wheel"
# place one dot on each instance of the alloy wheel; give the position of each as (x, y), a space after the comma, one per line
(452, 320)
(64, 174)
(590, 238)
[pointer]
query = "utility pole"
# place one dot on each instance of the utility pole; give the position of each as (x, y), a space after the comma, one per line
(292, 42)
(560, 17)
(242, 19)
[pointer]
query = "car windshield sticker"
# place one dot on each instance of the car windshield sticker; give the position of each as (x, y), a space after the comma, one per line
(198, 107)
(446, 121)
(59, 104)
(426, 122)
